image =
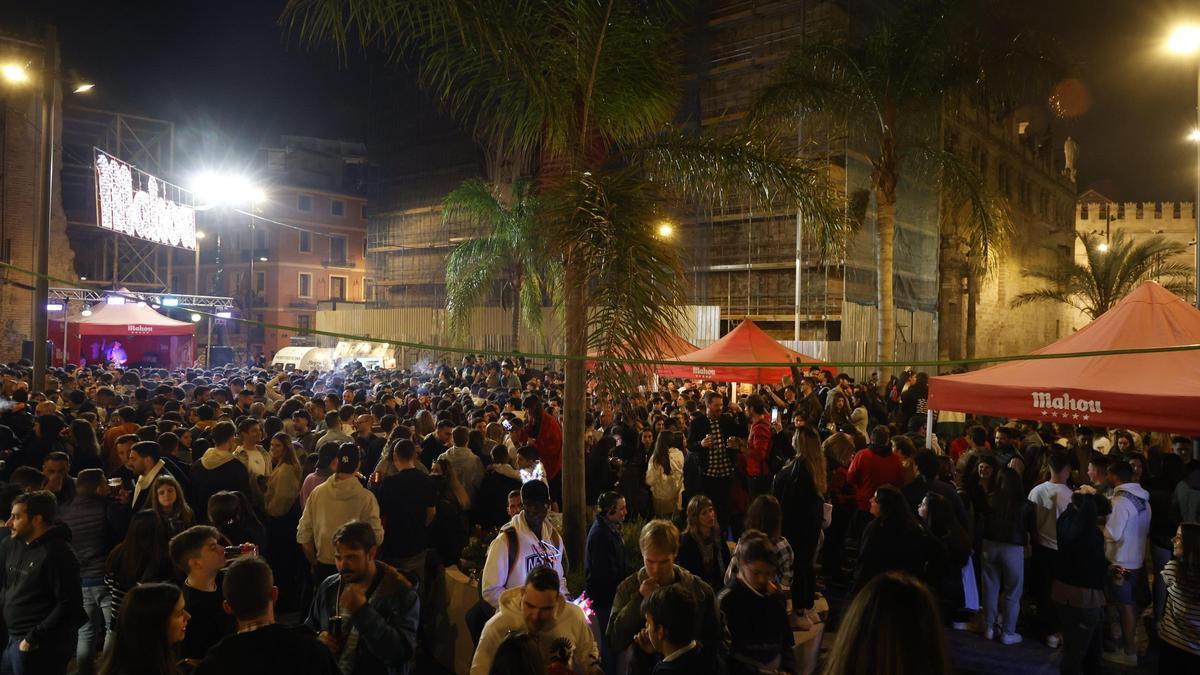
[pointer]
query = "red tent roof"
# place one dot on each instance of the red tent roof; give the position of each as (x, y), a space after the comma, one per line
(130, 319)
(1157, 391)
(745, 344)
(668, 346)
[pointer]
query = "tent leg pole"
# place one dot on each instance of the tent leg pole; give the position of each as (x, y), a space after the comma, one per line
(929, 428)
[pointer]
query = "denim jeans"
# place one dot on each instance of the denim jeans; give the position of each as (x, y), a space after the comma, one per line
(1081, 639)
(1003, 575)
(98, 624)
(50, 658)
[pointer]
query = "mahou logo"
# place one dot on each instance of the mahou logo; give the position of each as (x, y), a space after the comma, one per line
(139, 329)
(698, 371)
(1064, 406)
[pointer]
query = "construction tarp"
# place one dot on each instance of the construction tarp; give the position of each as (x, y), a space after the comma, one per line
(1150, 391)
(745, 344)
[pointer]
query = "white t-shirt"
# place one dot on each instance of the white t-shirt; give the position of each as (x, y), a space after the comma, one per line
(1049, 501)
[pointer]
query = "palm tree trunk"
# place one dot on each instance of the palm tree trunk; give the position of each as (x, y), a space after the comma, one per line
(518, 283)
(950, 309)
(885, 209)
(972, 304)
(574, 411)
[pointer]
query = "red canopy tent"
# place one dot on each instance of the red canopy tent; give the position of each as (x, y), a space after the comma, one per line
(1152, 391)
(148, 338)
(745, 344)
(669, 346)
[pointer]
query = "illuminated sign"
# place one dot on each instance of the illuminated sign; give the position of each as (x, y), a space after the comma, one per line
(133, 202)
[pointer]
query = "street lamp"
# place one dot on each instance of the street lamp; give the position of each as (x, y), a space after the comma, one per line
(665, 229)
(199, 236)
(14, 73)
(1184, 40)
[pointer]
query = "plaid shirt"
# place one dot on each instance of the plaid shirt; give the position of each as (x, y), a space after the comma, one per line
(783, 573)
(719, 465)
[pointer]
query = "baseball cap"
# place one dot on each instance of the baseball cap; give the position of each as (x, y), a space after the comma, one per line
(347, 458)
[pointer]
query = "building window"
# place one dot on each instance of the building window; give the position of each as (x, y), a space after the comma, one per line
(337, 207)
(337, 250)
(260, 281)
(304, 202)
(364, 211)
(337, 288)
(304, 323)
(305, 241)
(305, 285)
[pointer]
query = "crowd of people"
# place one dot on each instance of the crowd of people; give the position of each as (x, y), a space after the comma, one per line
(243, 520)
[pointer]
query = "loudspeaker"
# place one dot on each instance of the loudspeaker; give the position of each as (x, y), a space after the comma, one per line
(27, 349)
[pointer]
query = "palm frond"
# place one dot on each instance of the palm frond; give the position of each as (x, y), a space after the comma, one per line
(1111, 272)
(471, 272)
(636, 282)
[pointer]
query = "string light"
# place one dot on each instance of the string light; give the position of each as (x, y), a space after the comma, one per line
(146, 214)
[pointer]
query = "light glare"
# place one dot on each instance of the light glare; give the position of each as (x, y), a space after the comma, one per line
(665, 229)
(14, 73)
(215, 189)
(1184, 39)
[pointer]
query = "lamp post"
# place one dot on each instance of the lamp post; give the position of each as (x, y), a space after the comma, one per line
(196, 286)
(1185, 40)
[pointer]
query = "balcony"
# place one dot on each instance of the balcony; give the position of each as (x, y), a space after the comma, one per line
(256, 300)
(338, 262)
(310, 305)
(256, 255)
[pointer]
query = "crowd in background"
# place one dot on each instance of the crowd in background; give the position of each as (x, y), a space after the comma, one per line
(300, 519)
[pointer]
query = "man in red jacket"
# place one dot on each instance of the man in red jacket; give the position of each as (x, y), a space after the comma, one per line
(543, 432)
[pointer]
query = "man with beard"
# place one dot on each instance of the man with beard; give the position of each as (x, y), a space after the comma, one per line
(366, 614)
(41, 588)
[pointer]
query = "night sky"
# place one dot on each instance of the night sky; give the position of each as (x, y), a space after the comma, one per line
(231, 79)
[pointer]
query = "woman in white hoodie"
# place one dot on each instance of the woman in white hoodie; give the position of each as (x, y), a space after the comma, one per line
(664, 475)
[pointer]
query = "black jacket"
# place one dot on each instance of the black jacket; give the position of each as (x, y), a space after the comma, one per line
(691, 559)
(730, 427)
(231, 475)
(41, 590)
(758, 628)
(270, 649)
(606, 565)
(802, 508)
(1080, 560)
(905, 547)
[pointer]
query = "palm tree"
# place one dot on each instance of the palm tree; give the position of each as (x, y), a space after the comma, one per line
(510, 250)
(895, 86)
(587, 92)
(1113, 268)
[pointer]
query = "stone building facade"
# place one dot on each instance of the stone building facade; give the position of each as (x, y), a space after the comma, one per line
(1175, 221)
(20, 190)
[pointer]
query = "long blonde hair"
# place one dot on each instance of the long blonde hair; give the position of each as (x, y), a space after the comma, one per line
(807, 444)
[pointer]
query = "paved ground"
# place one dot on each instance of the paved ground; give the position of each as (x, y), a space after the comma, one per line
(972, 655)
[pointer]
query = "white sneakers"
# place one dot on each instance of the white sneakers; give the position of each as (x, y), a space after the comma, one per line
(1011, 638)
(1005, 638)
